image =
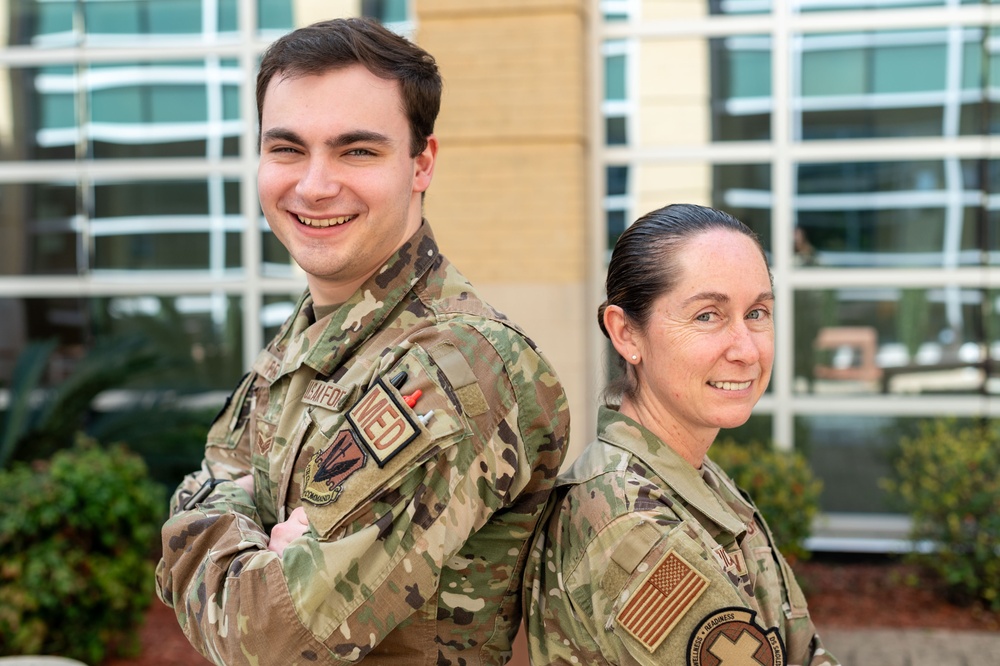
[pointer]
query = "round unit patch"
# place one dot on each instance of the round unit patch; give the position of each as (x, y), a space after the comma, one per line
(732, 637)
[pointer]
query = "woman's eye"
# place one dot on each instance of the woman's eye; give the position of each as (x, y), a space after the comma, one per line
(705, 316)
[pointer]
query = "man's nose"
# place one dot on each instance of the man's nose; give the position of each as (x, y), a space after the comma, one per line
(320, 180)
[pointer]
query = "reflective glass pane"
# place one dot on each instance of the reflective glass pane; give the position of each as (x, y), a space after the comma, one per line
(739, 6)
(136, 110)
(852, 456)
(614, 77)
(744, 191)
(890, 341)
(899, 214)
(40, 226)
(899, 83)
(615, 130)
(193, 225)
(168, 109)
(41, 24)
(740, 80)
(275, 15)
(181, 225)
(275, 258)
(275, 310)
(198, 336)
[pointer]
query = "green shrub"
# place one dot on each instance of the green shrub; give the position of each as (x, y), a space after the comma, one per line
(77, 535)
(782, 486)
(948, 481)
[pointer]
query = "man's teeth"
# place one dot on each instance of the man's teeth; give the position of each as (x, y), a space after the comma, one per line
(730, 386)
(329, 222)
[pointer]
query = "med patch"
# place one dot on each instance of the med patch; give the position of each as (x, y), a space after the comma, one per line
(381, 423)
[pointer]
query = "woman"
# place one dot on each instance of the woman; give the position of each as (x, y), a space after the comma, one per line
(651, 554)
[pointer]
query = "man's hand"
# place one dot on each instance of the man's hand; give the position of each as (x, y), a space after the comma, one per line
(246, 483)
(284, 533)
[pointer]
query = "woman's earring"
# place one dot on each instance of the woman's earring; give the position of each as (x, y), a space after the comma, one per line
(634, 357)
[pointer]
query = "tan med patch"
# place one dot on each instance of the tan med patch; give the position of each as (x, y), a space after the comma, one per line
(381, 423)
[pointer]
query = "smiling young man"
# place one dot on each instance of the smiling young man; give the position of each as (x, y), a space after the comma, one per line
(369, 489)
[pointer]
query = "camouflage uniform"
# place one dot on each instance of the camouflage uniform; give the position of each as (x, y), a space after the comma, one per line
(418, 532)
(647, 560)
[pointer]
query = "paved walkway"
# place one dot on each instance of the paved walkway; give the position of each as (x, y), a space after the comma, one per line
(912, 647)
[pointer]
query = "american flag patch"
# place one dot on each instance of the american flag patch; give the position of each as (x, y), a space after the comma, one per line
(661, 600)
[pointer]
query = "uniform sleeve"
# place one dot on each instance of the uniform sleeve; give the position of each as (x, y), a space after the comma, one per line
(657, 597)
(375, 549)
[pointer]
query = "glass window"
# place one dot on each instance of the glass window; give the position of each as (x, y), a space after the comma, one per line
(276, 262)
(275, 310)
(43, 23)
(614, 77)
(275, 15)
(850, 456)
(899, 341)
(198, 336)
(615, 130)
(744, 191)
(616, 203)
(137, 110)
(40, 229)
(890, 214)
(741, 88)
(891, 84)
(166, 226)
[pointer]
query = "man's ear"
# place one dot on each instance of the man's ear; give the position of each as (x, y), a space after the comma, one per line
(423, 165)
(622, 333)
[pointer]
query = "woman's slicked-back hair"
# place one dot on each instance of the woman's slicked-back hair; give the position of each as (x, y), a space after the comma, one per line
(338, 43)
(644, 265)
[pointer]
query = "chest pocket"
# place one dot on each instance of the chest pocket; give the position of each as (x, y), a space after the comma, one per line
(362, 454)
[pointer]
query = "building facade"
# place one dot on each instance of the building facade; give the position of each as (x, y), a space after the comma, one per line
(855, 138)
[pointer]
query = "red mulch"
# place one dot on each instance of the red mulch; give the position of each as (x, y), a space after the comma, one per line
(843, 592)
(881, 592)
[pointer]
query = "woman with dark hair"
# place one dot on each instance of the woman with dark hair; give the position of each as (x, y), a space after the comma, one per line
(651, 554)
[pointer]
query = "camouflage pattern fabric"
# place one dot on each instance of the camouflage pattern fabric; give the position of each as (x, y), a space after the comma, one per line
(646, 560)
(421, 506)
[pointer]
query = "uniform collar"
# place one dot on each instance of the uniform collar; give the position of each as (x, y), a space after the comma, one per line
(324, 344)
(618, 430)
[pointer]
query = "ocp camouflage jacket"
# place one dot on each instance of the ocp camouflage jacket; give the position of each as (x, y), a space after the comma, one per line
(420, 514)
(647, 560)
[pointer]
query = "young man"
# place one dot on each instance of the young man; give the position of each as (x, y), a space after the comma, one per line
(370, 488)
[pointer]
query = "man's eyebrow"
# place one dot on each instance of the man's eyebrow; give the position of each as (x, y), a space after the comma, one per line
(281, 134)
(339, 141)
(358, 136)
(718, 297)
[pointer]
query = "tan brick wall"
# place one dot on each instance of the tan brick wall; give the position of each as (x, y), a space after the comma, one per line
(512, 143)
(509, 198)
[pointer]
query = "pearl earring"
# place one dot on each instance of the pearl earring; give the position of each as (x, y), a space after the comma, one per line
(634, 357)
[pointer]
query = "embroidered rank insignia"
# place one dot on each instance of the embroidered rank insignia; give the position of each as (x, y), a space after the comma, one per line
(381, 423)
(661, 600)
(328, 469)
(732, 636)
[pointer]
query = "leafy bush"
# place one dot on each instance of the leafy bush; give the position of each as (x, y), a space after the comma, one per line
(948, 481)
(77, 535)
(780, 483)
